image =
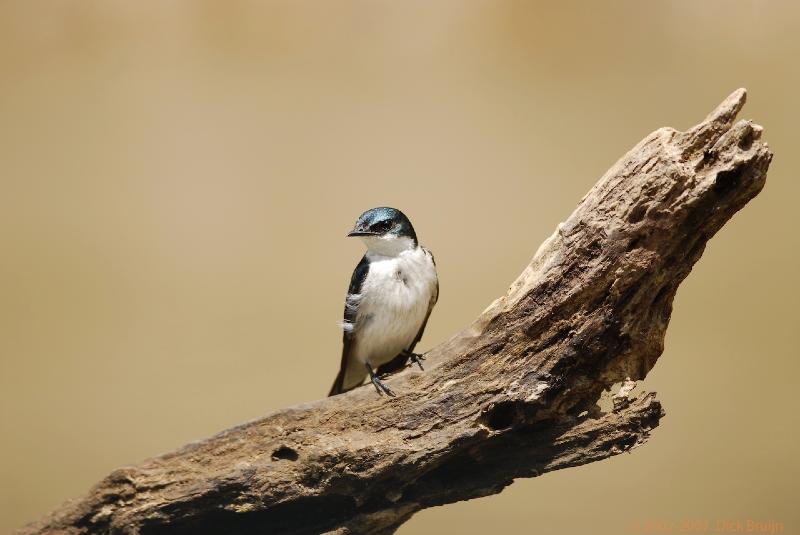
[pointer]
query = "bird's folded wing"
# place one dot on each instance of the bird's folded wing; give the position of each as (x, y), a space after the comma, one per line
(349, 323)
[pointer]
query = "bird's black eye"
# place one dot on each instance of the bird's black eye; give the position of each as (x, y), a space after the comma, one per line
(382, 226)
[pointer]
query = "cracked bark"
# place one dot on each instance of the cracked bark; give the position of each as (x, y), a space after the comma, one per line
(513, 395)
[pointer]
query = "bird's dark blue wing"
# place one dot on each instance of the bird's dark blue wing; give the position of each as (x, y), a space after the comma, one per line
(350, 311)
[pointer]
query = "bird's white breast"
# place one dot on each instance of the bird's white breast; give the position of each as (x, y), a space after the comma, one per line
(392, 304)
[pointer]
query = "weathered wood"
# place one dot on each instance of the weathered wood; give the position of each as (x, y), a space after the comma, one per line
(513, 395)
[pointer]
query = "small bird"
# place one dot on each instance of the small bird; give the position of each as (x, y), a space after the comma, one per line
(391, 295)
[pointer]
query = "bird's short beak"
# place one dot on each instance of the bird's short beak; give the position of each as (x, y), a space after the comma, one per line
(356, 232)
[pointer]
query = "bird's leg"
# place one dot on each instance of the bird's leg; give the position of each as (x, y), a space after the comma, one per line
(379, 386)
(414, 357)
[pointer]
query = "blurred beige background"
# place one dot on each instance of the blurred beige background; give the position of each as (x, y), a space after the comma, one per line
(176, 179)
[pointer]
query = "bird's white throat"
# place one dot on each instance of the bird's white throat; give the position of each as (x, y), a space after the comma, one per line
(388, 245)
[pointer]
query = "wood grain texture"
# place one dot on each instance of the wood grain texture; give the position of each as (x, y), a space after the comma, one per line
(515, 394)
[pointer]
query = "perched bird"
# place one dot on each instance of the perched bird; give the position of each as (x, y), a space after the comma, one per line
(391, 295)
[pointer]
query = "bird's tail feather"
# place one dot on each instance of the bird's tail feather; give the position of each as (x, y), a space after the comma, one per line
(337, 384)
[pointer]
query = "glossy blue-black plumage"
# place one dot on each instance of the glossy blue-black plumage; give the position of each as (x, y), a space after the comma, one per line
(384, 220)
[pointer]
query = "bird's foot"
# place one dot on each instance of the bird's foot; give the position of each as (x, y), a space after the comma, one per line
(380, 387)
(377, 383)
(416, 358)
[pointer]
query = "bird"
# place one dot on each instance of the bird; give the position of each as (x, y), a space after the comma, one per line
(392, 292)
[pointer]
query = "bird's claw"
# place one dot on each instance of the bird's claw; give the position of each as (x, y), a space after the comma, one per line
(381, 388)
(416, 358)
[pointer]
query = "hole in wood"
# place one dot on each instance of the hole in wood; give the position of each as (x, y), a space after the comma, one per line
(285, 453)
(727, 181)
(499, 415)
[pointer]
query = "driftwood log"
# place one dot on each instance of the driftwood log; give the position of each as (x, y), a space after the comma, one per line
(515, 394)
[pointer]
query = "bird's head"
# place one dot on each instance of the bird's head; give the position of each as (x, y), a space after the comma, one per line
(385, 230)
